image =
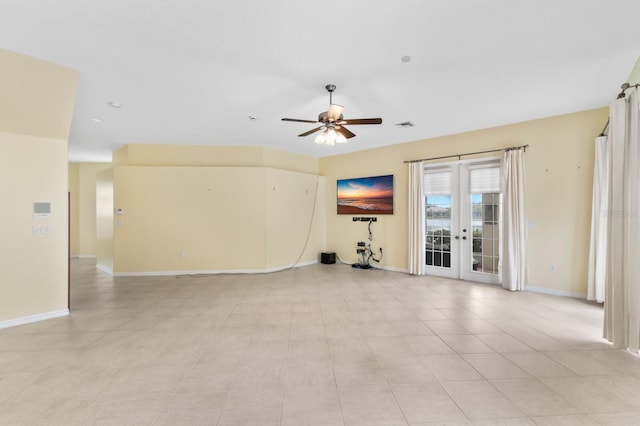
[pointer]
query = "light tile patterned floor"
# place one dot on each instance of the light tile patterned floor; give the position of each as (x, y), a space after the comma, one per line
(318, 345)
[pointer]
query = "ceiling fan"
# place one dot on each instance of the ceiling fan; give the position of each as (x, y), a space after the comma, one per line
(333, 123)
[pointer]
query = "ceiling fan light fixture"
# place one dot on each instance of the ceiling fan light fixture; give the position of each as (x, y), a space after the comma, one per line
(331, 120)
(331, 137)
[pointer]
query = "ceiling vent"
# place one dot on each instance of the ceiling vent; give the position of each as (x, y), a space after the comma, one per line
(405, 124)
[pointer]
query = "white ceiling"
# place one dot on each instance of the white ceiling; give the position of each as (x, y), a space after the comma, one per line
(193, 71)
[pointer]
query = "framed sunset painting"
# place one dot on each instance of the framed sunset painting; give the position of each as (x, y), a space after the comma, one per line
(369, 195)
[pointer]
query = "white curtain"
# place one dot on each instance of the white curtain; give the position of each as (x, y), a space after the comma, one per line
(622, 290)
(514, 226)
(416, 210)
(599, 214)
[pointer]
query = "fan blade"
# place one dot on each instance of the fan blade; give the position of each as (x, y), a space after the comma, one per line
(299, 121)
(311, 131)
(334, 113)
(345, 132)
(362, 121)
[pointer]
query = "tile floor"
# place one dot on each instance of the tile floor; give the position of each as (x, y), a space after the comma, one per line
(318, 345)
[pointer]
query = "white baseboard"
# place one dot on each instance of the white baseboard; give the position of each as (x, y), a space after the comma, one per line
(555, 292)
(209, 271)
(283, 268)
(84, 256)
(105, 269)
(376, 266)
(34, 318)
(393, 269)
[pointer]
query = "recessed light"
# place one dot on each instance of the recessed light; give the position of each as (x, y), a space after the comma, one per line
(97, 120)
(405, 58)
(115, 104)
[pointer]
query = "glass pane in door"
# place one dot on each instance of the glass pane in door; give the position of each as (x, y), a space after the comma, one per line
(485, 218)
(438, 230)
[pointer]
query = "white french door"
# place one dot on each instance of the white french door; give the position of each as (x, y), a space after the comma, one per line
(463, 211)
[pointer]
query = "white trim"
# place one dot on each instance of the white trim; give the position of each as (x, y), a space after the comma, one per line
(393, 269)
(555, 292)
(83, 256)
(105, 269)
(34, 318)
(210, 271)
(375, 266)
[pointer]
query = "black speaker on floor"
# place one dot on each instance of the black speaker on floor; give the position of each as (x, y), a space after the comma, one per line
(328, 258)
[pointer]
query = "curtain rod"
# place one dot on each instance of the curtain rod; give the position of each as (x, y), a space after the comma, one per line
(606, 127)
(624, 87)
(622, 94)
(468, 153)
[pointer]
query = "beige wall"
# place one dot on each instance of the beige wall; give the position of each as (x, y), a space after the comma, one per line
(213, 219)
(634, 77)
(189, 218)
(214, 208)
(36, 105)
(104, 220)
(82, 186)
(33, 277)
(36, 97)
(289, 161)
(74, 212)
(559, 184)
(296, 216)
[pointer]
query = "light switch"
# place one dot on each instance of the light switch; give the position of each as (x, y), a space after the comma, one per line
(42, 230)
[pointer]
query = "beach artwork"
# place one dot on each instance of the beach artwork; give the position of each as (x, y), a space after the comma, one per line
(370, 195)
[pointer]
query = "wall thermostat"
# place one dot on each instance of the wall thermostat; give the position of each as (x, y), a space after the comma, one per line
(41, 209)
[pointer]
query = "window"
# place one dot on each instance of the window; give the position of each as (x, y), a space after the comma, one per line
(484, 184)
